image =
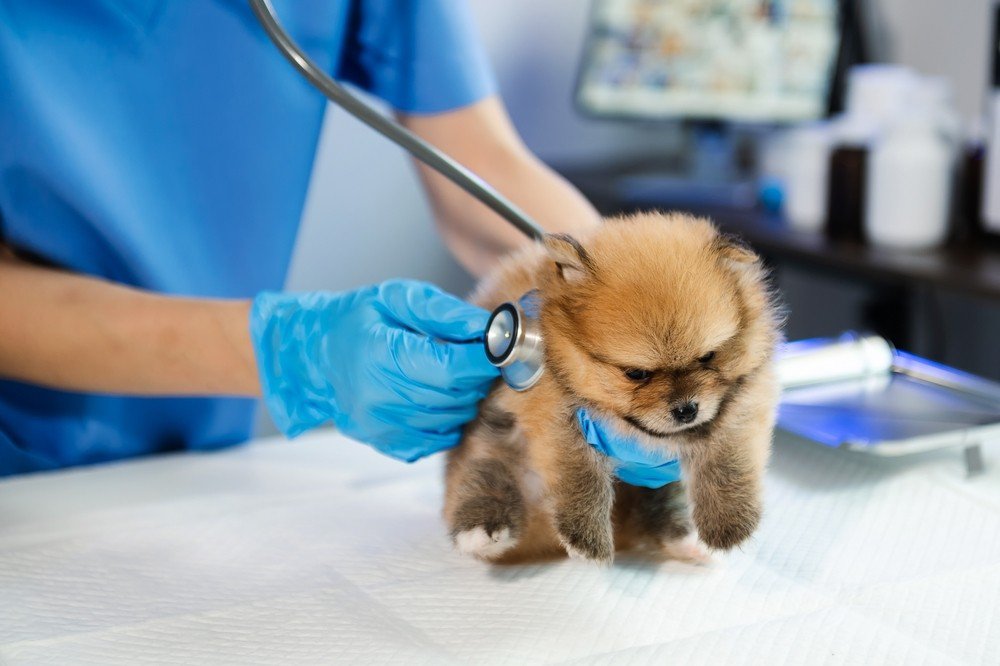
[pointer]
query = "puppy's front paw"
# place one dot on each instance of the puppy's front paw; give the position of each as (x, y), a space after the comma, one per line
(484, 543)
(726, 530)
(582, 543)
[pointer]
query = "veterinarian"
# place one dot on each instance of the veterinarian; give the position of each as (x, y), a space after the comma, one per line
(154, 160)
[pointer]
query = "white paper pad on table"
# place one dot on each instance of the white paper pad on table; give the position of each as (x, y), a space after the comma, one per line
(321, 551)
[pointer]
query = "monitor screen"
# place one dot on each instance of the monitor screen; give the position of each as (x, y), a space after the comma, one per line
(741, 60)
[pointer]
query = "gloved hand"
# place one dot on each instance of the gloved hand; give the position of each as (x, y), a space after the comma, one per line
(398, 365)
(635, 464)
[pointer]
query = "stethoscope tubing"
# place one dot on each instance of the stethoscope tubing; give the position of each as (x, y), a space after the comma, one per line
(393, 131)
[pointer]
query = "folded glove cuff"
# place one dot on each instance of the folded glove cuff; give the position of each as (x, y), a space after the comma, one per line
(630, 468)
(278, 327)
(646, 476)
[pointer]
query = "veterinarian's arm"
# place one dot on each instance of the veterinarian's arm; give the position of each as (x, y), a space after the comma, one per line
(68, 331)
(399, 365)
(481, 137)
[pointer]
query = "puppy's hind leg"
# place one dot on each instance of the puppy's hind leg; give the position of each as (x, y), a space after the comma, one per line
(663, 516)
(485, 508)
(487, 522)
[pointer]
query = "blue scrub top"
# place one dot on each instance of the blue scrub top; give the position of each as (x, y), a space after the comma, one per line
(168, 145)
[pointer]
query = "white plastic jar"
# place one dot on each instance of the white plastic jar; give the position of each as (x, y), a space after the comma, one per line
(909, 185)
(806, 171)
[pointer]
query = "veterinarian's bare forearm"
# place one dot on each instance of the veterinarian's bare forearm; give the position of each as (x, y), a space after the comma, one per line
(481, 137)
(78, 333)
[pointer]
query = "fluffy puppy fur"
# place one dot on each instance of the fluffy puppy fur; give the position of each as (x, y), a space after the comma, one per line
(643, 319)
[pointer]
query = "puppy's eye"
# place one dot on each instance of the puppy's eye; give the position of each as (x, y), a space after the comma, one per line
(637, 375)
(707, 358)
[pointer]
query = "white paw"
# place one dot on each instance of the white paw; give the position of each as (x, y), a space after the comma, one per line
(577, 554)
(688, 549)
(478, 543)
(573, 553)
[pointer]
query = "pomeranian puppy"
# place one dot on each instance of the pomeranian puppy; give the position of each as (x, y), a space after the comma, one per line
(661, 327)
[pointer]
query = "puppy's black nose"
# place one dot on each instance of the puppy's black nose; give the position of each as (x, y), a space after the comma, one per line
(686, 412)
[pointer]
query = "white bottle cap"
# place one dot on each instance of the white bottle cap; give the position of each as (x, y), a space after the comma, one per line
(878, 93)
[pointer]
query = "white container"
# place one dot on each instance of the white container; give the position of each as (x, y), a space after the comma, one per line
(909, 185)
(934, 94)
(991, 183)
(878, 94)
(851, 356)
(991, 179)
(806, 169)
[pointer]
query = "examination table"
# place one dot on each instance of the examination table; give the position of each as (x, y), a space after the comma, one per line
(322, 551)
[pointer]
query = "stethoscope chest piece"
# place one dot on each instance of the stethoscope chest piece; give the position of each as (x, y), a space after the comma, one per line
(513, 342)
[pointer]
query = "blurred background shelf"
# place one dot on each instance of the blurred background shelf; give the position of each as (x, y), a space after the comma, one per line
(970, 269)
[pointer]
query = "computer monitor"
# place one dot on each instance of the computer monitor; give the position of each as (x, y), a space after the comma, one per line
(771, 61)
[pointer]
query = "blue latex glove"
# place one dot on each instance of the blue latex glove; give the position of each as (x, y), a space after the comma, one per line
(398, 365)
(635, 464)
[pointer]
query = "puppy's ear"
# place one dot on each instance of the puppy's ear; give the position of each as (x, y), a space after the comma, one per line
(571, 259)
(734, 253)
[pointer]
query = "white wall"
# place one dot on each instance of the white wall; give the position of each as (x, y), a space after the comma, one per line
(947, 38)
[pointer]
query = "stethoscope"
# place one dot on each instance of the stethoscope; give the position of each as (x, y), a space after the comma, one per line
(513, 338)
